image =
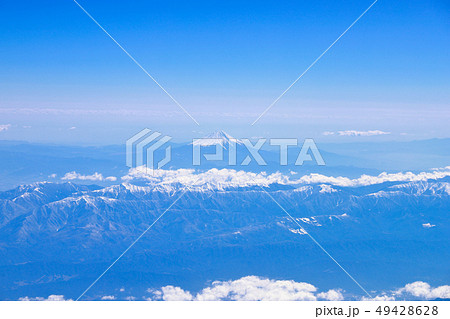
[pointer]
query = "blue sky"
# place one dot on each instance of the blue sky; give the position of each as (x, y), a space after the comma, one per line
(63, 80)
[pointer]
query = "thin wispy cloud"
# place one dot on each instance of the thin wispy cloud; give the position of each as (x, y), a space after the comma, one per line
(49, 298)
(362, 133)
(356, 133)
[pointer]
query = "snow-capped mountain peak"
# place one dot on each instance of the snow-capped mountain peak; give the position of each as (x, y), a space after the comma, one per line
(217, 138)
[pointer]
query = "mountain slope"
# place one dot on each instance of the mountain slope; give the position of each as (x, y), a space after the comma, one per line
(58, 230)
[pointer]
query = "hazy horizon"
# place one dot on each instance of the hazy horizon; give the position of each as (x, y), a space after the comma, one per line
(64, 80)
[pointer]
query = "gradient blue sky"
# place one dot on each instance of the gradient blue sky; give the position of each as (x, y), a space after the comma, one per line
(63, 80)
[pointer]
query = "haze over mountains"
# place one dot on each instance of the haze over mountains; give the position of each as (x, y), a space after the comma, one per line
(23, 162)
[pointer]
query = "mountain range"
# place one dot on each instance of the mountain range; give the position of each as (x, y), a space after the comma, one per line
(56, 238)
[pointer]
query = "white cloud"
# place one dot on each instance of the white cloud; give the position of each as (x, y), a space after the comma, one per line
(214, 178)
(94, 177)
(413, 291)
(73, 128)
(326, 189)
(171, 293)
(356, 133)
(250, 288)
(4, 127)
(108, 298)
(332, 295)
(362, 133)
(428, 225)
(52, 176)
(379, 298)
(255, 288)
(366, 180)
(223, 178)
(49, 298)
(423, 290)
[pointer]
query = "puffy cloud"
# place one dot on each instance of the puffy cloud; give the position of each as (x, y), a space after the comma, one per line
(362, 133)
(428, 225)
(49, 298)
(250, 288)
(326, 189)
(332, 295)
(4, 127)
(254, 288)
(413, 291)
(223, 178)
(171, 293)
(94, 177)
(423, 290)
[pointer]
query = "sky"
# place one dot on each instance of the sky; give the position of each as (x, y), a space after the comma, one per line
(63, 80)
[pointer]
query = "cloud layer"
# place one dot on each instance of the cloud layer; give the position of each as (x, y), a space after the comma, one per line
(223, 178)
(254, 288)
(94, 177)
(250, 288)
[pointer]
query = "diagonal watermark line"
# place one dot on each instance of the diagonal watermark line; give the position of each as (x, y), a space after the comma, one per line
(138, 64)
(129, 247)
(315, 241)
(312, 64)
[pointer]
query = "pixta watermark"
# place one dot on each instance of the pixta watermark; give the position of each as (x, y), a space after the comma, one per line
(151, 149)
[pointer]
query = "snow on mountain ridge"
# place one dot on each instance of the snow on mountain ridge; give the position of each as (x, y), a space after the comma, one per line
(217, 138)
(204, 216)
